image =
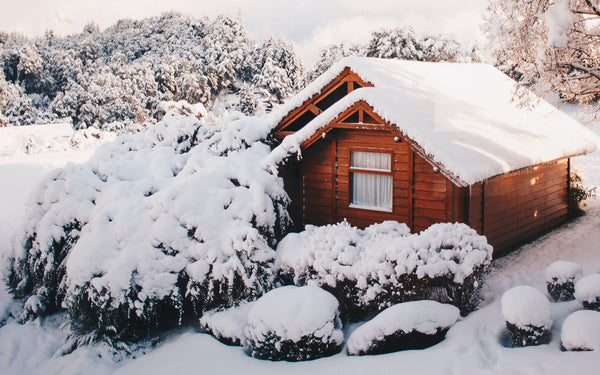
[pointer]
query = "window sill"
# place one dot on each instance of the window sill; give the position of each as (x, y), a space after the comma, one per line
(371, 208)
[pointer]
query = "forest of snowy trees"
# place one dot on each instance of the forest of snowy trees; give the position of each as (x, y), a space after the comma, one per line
(96, 78)
(400, 43)
(119, 76)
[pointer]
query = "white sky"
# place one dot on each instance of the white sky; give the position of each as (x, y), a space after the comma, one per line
(312, 24)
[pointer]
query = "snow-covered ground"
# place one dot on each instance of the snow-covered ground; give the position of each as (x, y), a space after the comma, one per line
(477, 344)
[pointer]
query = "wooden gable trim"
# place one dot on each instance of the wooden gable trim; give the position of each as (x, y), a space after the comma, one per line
(383, 126)
(346, 76)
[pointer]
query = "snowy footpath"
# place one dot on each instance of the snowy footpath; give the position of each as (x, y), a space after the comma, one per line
(476, 345)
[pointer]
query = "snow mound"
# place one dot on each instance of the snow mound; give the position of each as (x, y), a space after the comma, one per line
(560, 279)
(581, 331)
(227, 325)
(527, 315)
(293, 312)
(587, 291)
(384, 333)
(383, 264)
(182, 108)
(526, 306)
(562, 270)
(294, 323)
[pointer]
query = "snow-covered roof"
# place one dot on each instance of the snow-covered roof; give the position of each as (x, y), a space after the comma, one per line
(463, 116)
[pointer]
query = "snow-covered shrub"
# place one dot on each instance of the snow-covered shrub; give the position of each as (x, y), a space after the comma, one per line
(156, 228)
(227, 325)
(527, 315)
(408, 325)
(560, 279)
(294, 324)
(587, 291)
(581, 331)
(369, 270)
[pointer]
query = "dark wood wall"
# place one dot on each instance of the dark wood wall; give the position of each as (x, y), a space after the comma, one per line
(431, 195)
(348, 140)
(515, 207)
(421, 196)
(318, 182)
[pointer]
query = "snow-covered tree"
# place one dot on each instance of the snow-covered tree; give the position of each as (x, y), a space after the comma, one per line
(279, 69)
(400, 43)
(552, 44)
(158, 227)
(124, 72)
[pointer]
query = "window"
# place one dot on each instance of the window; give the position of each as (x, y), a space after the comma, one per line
(371, 179)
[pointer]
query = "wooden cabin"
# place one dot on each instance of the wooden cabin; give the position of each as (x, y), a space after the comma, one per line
(421, 143)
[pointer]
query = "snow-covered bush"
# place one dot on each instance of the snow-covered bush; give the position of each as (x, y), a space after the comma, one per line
(227, 325)
(408, 325)
(560, 279)
(587, 291)
(294, 324)
(156, 228)
(527, 315)
(581, 331)
(369, 270)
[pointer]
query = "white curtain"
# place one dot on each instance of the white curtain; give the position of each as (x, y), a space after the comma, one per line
(371, 160)
(372, 190)
(369, 189)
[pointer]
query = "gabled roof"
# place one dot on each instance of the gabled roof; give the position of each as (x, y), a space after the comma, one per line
(462, 116)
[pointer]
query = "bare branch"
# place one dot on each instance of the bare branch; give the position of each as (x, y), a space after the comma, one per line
(590, 71)
(594, 7)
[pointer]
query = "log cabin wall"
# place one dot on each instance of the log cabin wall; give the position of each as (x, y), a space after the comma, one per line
(432, 196)
(348, 140)
(421, 196)
(513, 208)
(318, 182)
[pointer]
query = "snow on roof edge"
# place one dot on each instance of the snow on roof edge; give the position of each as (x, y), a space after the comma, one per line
(311, 89)
(383, 100)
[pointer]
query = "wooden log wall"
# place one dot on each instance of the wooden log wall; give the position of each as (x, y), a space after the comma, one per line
(432, 196)
(421, 197)
(318, 186)
(518, 206)
(361, 140)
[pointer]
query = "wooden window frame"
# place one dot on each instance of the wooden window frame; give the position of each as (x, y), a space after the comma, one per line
(352, 170)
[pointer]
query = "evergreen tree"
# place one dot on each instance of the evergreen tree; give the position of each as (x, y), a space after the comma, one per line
(400, 43)
(124, 72)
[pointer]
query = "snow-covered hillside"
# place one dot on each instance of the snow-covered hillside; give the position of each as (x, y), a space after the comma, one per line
(476, 345)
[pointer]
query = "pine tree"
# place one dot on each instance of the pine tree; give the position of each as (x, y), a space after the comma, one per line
(400, 43)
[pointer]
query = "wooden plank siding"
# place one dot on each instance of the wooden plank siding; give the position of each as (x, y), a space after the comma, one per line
(318, 183)
(421, 196)
(518, 206)
(348, 140)
(431, 193)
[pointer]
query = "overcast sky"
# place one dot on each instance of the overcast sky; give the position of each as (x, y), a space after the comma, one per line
(312, 24)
